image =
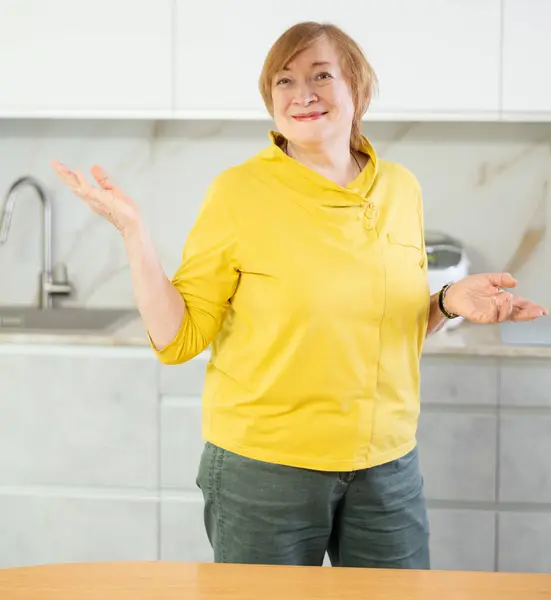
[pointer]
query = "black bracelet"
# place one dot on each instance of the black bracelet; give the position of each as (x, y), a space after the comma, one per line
(441, 297)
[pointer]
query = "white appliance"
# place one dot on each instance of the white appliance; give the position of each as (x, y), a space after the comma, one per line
(447, 263)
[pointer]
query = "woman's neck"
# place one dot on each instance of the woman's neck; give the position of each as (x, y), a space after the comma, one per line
(337, 162)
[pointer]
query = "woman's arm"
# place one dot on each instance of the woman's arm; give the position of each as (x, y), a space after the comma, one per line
(436, 316)
(181, 316)
(160, 304)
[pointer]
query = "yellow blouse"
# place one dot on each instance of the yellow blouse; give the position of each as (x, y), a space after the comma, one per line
(316, 301)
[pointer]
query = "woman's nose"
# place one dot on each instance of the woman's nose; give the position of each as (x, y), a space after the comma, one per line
(304, 97)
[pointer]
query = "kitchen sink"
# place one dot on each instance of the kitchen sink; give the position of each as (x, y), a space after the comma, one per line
(30, 319)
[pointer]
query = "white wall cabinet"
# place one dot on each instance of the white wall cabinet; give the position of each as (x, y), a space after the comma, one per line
(439, 58)
(418, 50)
(219, 54)
(459, 60)
(527, 59)
(65, 58)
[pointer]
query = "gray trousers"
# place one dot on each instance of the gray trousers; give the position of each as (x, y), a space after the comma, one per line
(262, 513)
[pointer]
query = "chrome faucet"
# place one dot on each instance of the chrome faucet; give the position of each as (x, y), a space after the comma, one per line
(49, 286)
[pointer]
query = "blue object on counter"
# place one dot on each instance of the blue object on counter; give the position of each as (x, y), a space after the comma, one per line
(529, 333)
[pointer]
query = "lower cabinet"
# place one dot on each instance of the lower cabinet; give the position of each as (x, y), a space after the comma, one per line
(78, 458)
(99, 454)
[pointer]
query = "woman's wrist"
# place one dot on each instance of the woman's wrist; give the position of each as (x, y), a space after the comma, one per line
(444, 309)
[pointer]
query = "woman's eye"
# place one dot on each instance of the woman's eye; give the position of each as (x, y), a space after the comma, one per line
(324, 76)
(282, 81)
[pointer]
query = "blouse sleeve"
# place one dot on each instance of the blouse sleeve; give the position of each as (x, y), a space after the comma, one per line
(207, 277)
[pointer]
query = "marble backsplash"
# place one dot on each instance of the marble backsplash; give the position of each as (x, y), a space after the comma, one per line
(484, 183)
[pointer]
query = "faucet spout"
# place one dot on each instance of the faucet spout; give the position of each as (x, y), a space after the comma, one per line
(48, 287)
(5, 222)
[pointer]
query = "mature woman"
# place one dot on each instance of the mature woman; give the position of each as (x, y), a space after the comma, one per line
(306, 271)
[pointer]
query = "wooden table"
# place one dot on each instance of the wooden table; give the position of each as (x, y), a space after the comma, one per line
(197, 581)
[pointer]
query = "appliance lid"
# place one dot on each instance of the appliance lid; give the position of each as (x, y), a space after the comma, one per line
(443, 251)
(438, 238)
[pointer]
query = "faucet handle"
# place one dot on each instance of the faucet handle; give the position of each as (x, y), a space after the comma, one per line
(56, 283)
(59, 274)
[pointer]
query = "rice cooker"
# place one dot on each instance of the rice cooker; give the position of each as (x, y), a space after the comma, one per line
(447, 263)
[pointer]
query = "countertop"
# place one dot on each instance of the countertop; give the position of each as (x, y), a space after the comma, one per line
(469, 339)
(208, 581)
(466, 340)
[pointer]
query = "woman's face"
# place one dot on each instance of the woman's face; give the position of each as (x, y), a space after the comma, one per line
(311, 97)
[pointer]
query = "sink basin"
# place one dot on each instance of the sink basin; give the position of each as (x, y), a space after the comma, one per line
(29, 319)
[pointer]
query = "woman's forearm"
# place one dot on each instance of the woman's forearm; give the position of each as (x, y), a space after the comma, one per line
(160, 304)
(436, 316)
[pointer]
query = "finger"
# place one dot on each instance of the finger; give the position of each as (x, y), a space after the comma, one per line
(523, 303)
(101, 176)
(499, 280)
(95, 197)
(84, 186)
(67, 176)
(504, 304)
(525, 310)
(59, 167)
(526, 314)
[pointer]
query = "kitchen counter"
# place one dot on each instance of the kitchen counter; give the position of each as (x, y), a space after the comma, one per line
(480, 340)
(208, 581)
(130, 335)
(466, 340)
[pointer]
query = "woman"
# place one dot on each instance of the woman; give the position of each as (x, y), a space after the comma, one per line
(306, 270)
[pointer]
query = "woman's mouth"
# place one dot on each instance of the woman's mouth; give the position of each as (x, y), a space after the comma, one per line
(311, 116)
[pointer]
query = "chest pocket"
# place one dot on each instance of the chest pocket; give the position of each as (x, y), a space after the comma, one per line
(411, 244)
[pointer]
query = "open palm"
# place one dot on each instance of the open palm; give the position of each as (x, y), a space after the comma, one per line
(107, 200)
(481, 298)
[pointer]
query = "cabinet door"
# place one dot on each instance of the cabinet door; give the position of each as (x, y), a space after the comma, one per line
(79, 444)
(434, 57)
(526, 56)
(437, 57)
(62, 57)
(219, 54)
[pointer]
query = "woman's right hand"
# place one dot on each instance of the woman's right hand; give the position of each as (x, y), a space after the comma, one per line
(107, 200)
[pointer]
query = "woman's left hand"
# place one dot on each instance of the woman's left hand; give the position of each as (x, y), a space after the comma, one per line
(481, 299)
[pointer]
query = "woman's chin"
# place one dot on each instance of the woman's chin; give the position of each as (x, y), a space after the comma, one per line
(308, 134)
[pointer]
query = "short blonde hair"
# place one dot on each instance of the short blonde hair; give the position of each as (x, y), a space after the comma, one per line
(361, 76)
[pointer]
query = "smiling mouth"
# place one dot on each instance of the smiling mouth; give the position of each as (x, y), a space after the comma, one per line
(312, 116)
